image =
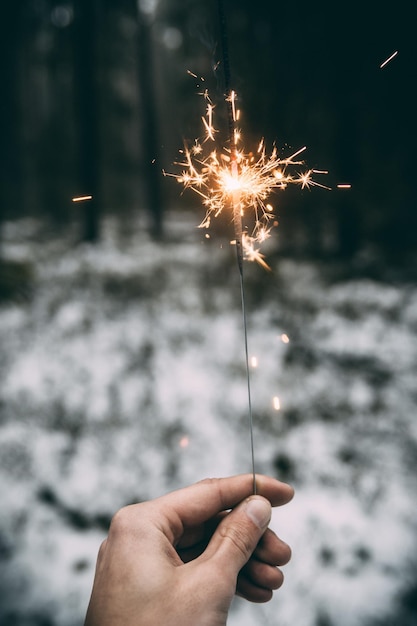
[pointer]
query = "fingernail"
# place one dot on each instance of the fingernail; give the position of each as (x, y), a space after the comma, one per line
(259, 511)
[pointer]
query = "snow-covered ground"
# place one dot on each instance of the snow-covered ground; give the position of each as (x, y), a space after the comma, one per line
(123, 376)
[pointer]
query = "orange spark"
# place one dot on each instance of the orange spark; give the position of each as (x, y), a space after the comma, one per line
(82, 198)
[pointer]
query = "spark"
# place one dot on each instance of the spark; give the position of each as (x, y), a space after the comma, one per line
(285, 338)
(82, 198)
(254, 361)
(229, 176)
(276, 403)
(232, 100)
(394, 54)
(184, 442)
(344, 186)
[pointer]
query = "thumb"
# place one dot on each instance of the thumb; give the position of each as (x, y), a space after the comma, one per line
(238, 534)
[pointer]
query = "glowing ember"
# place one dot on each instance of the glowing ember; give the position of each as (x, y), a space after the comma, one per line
(285, 338)
(254, 361)
(82, 198)
(230, 176)
(394, 54)
(344, 186)
(276, 403)
(184, 442)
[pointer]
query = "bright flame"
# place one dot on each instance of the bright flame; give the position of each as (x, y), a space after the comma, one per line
(240, 180)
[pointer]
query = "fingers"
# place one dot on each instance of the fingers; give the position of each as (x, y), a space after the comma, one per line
(260, 576)
(271, 578)
(272, 550)
(196, 504)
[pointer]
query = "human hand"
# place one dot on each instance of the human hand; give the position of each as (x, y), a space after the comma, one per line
(179, 559)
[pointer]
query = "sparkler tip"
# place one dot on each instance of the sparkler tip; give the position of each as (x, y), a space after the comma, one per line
(229, 176)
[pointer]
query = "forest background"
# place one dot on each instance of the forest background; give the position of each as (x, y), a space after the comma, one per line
(121, 356)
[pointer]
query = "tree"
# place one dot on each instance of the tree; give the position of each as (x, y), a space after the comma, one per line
(87, 110)
(149, 127)
(10, 144)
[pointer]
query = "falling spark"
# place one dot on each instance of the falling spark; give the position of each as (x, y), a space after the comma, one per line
(276, 403)
(344, 186)
(82, 198)
(285, 338)
(394, 54)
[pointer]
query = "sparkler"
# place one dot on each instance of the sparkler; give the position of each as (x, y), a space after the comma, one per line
(227, 177)
(231, 177)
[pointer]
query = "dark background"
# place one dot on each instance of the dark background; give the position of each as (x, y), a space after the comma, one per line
(96, 99)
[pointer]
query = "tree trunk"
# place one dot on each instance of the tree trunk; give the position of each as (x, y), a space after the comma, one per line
(10, 144)
(87, 112)
(149, 130)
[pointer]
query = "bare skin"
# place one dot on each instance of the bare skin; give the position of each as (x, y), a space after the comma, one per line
(178, 560)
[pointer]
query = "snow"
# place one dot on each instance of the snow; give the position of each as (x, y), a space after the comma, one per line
(123, 376)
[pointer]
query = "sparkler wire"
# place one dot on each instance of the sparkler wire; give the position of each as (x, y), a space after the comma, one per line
(237, 216)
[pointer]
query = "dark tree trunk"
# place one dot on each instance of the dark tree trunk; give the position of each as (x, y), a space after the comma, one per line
(87, 112)
(149, 127)
(10, 144)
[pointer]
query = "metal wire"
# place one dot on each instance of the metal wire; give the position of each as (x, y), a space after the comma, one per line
(237, 219)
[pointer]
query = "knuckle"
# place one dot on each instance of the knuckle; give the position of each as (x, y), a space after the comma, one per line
(121, 523)
(238, 536)
(209, 481)
(216, 484)
(102, 548)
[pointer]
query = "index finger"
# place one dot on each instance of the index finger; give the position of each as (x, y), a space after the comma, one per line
(198, 503)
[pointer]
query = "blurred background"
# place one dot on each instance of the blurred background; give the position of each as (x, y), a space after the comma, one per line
(122, 372)
(97, 100)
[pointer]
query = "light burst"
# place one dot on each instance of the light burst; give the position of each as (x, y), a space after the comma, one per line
(230, 177)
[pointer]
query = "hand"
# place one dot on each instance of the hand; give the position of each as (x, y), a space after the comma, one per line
(179, 559)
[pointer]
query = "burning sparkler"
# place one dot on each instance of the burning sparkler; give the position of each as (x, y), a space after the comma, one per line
(226, 176)
(229, 176)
